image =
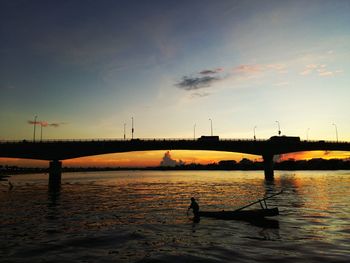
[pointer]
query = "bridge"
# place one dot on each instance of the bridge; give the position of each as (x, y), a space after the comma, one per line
(57, 150)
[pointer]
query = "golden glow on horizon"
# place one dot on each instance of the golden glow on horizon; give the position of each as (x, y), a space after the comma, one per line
(153, 158)
(316, 154)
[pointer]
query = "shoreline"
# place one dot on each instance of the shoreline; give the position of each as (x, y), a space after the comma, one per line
(229, 165)
(5, 176)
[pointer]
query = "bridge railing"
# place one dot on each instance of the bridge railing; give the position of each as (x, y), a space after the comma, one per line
(324, 141)
(120, 140)
(148, 140)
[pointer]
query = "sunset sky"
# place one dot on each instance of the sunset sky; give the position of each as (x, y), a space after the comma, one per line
(85, 68)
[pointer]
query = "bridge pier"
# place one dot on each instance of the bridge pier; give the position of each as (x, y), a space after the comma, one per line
(268, 167)
(55, 175)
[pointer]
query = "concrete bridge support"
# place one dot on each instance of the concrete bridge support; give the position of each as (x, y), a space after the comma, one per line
(55, 175)
(268, 167)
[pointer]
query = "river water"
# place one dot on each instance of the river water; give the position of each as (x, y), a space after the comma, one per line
(138, 216)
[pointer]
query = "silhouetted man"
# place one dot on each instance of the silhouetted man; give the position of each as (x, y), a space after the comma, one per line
(195, 207)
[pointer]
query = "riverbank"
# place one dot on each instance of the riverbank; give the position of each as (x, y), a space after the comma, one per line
(229, 165)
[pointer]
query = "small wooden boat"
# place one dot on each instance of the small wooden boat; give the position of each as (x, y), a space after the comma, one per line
(247, 215)
(255, 214)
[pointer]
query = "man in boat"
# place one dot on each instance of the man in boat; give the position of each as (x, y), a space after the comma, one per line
(10, 185)
(195, 208)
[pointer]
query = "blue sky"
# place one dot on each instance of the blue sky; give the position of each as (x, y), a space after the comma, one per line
(89, 66)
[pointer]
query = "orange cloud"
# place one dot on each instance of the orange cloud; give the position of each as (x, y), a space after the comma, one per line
(249, 69)
(320, 69)
(45, 124)
(252, 69)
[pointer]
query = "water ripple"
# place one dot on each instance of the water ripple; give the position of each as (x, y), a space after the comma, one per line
(141, 217)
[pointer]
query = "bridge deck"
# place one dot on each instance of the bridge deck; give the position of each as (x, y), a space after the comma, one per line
(67, 149)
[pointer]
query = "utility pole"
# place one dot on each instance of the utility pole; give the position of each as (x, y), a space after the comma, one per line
(34, 127)
(211, 127)
(124, 131)
(132, 127)
(254, 133)
(279, 128)
(336, 130)
(41, 131)
(194, 131)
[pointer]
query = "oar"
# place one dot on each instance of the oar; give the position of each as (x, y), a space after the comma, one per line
(258, 201)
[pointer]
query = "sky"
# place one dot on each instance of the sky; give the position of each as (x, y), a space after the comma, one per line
(85, 68)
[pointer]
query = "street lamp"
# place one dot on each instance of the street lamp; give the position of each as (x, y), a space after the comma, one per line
(279, 128)
(34, 127)
(307, 134)
(132, 127)
(336, 130)
(254, 133)
(124, 130)
(211, 127)
(41, 131)
(194, 131)
(42, 124)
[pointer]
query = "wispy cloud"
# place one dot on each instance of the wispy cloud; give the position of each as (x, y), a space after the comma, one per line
(326, 73)
(208, 77)
(248, 69)
(56, 124)
(34, 122)
(203, 79)
(199, 94)
(319, 69)
(195, 83)
(281, 84)
(308, 69)
(279, 68)
(46, 124)
(211, 71)
(251, 69)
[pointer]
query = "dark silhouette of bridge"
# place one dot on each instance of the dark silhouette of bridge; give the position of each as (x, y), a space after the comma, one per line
(57, 150)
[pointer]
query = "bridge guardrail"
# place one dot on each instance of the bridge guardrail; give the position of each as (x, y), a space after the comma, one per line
(119, 140)
(149, 139)
(115, 140)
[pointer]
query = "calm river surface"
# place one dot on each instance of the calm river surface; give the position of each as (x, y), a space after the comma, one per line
(138, 216)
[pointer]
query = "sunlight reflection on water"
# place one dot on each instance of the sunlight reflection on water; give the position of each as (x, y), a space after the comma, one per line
(141, 216)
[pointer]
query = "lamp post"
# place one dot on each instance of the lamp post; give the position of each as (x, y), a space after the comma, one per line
(43, 124)
(34, 127)
(124, 131)
(307, 134)
(336, 130)
(211, 127)
(279, 128)
(194, 131)
(132, 127)
(41, 131)
(254, 133)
